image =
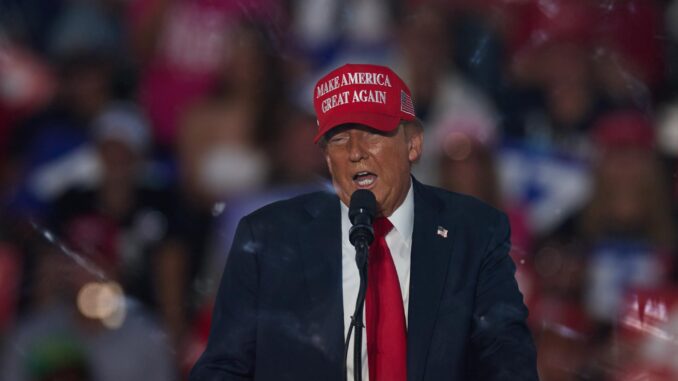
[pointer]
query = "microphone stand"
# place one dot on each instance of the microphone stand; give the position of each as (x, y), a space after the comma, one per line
(362, 249)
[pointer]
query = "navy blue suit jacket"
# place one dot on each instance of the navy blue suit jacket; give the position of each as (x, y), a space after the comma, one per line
(279, 310)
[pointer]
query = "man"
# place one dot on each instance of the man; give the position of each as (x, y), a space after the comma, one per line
(291, 281)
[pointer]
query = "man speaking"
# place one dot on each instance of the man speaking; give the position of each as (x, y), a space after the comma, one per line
(441, 299)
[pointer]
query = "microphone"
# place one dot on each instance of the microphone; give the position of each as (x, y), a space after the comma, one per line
(361, 211)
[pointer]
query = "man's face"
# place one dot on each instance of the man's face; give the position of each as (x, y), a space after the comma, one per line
(359, 157)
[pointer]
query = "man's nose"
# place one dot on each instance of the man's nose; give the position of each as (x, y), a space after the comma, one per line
(356, 150)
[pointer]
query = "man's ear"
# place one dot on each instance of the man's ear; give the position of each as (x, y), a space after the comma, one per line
(415, 143)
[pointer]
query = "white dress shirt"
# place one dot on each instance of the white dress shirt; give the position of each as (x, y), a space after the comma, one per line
(399, 241)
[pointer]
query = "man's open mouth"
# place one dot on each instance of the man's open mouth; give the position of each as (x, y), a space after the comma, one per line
(364, 179)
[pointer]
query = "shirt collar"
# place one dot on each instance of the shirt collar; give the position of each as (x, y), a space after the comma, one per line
(402, 218)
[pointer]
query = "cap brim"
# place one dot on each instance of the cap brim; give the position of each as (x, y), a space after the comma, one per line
(385, 123)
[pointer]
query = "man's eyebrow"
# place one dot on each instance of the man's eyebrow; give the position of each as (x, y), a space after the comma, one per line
(333, 132)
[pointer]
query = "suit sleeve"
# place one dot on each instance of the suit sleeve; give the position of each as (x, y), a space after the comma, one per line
(501, 341)
(230, 351)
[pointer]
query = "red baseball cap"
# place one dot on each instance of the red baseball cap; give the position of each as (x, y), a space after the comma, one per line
(370, 95)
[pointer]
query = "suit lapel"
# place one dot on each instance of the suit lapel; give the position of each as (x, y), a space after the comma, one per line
(431, 253)
(320, 241)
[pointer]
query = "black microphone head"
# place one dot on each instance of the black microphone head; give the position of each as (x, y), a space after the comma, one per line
(362, 201)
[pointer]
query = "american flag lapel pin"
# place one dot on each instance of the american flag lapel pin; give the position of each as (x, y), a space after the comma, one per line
(442, 232)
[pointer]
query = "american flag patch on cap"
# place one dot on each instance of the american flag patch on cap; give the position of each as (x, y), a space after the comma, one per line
(406, 105)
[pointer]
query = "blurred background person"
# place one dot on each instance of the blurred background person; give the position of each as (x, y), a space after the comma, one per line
(553, 96)
(627, 223)
(222, 143)
(439, 89)
(293, 162)
(180, 46)
(49, 150)
(152, 259)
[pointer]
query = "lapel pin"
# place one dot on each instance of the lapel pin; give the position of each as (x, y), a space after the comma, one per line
(442, 232)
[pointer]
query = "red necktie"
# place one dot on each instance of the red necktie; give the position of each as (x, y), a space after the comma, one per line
(384, 312)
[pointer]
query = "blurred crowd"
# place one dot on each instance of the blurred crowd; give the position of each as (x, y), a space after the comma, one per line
(134, 134)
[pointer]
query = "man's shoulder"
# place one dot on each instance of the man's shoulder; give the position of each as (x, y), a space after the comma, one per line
(294, 208)
(461, 206)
